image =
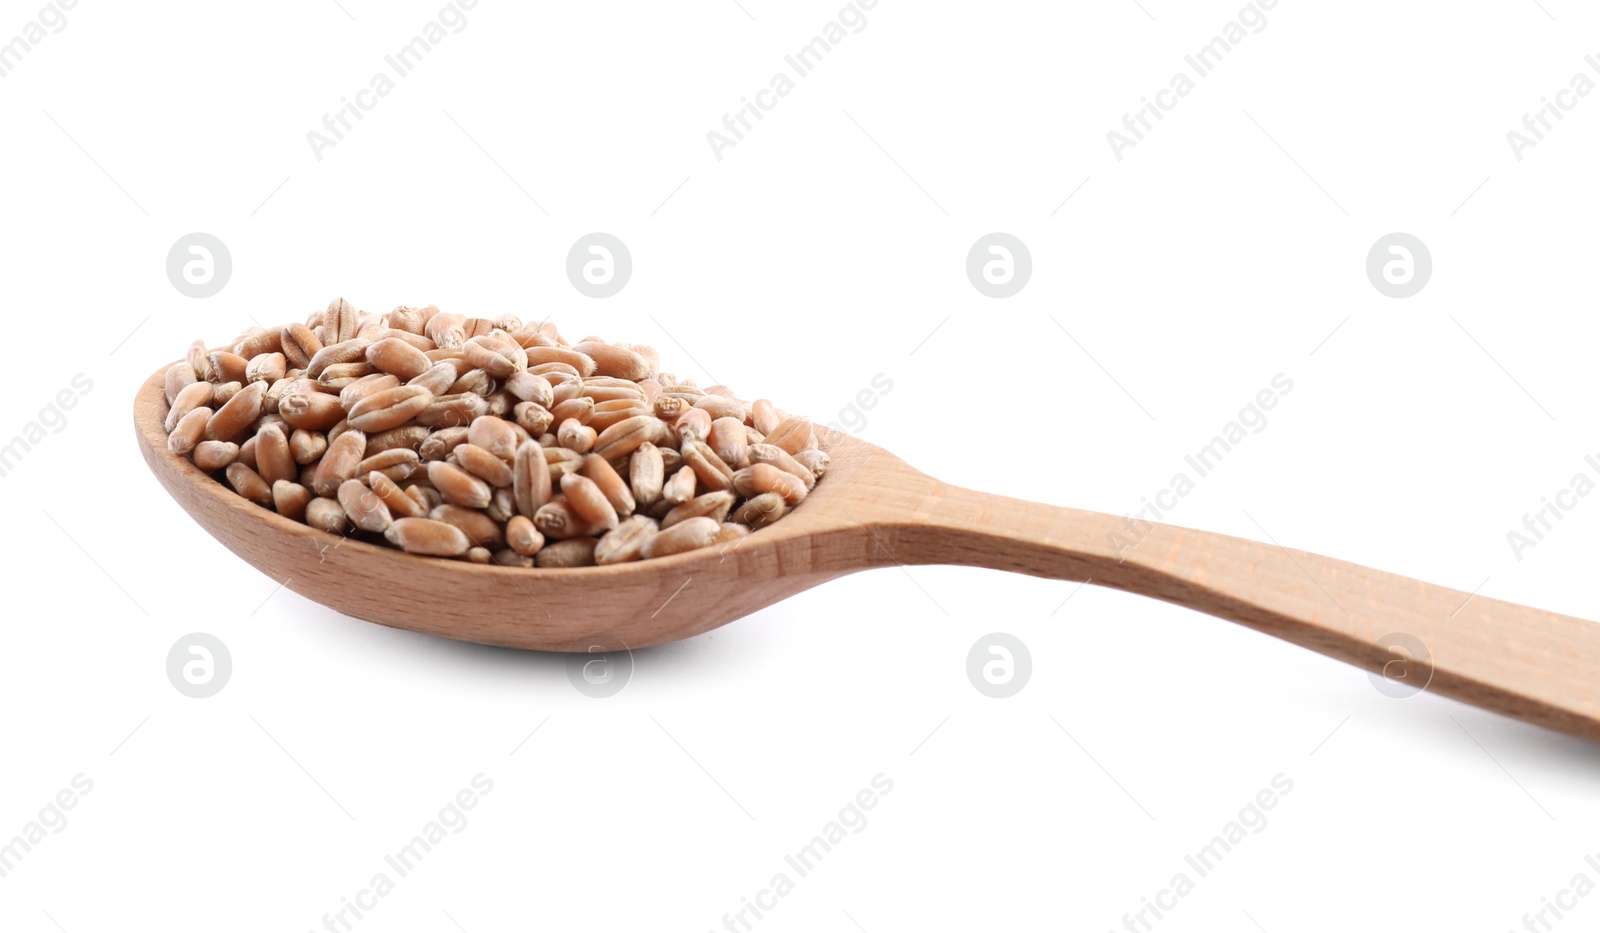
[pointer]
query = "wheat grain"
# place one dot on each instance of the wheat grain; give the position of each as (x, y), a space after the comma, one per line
(538, 452)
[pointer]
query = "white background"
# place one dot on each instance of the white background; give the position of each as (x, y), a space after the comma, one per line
(827, 247)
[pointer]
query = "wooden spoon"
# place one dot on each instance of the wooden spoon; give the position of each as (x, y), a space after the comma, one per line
(872, 510)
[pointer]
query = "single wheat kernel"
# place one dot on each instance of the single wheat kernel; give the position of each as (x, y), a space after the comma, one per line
(438, 377)
(604, 417)
(336, 353)
(447, 330)
(603, 389)
(624, 437)
(581, 362)
(290, 499)
(646, 473)
(398, 358)
(365, 508)
(610, 483)
(400, 505)
(192, 396)
(221, 392)
(793, 435)
(760, 510)
(299, 345)
(530, 479)
(625, 542)
(679, 488)
(265, 367)
(458, 486)
(340, 463)
(196, 358)
(257, 341)
(533, 417)
(247, 453)
(564, 388)
(508, 557)
(427, 536)
(778, 457)
(187, 432)
(554, 372)
(687, 535)
(575, 436)
(367, 385)
(729, 536)
(314, 411)
(571, 552)
(714, 505)
(408, 437)
(522, 536)
(713, 472)
(562, 461)
(237, 414)
(449, 411)
(327, 515)
(343, 318)
(693, 425)
(670, 407)
(483, 464)
(499, 358)
(502, 505)
(397, 463)
(587, 501)
(248, 483)
(307, 446)
(611, 360)
(573, 409)
(439, 444)
(730, 442)
(495, 435)
(530, 387)
(212, 456)
(225, 366)
(718, 407)
(764, 416)
(338, 376)
(764, 477)
(814, 460)
(389, 408)
(274, 461)
(482, 530)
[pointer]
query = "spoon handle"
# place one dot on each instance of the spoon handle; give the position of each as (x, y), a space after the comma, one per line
(1523, 662)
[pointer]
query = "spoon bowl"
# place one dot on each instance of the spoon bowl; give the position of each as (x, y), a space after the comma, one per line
(872, 510)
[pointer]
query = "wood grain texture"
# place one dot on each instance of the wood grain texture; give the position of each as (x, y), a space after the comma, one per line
(872, 510)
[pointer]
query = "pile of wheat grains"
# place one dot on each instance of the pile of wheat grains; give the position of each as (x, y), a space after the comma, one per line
(494, 441)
